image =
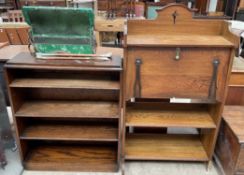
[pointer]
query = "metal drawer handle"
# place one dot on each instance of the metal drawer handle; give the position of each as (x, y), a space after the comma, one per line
(137, 84)
(177, 54)
(213, 84)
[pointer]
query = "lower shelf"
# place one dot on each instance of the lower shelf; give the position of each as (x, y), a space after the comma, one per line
(72, 158)
(164, 147)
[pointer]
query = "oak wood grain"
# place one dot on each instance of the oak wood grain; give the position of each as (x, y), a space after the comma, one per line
(169, 118)
(61, 107)
(240, 163)
(13, 36)
(184, 23)
(72, 158)
(234, 117)
(178, 40)
(235, 96)
(237, 79)
(25, 60)
(70, 131)
(227, 149)
(164, 147)
(66, 83)
(73, 109)
(164, 77)
(3, 35)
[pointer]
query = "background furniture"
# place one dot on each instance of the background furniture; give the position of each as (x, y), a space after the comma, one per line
(231, 8)
(151, 7)
(14, 33)
(104, 25)
(7, 53)
(175, 78)
(229, 147)
(8, 5)
(84, 3)
(120, 7)
(236, 84)
(66, 113)
(13, 16)
(61, 3)
(202, 6)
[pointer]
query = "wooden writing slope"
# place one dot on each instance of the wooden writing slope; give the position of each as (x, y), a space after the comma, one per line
(67, 113)
(176, 72)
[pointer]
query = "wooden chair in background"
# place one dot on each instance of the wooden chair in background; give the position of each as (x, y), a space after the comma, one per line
(15, 16)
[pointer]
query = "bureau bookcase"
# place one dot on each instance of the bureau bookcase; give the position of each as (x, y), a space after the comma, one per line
(176, 72)
(66, 113)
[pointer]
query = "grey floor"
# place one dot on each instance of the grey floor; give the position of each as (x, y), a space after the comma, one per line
(132, 168)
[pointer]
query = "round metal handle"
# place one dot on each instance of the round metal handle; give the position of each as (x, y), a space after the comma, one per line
(177, 54)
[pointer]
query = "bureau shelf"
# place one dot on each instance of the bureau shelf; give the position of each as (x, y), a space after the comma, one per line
(169, 118)
(168, 40)
(72, 158)
(164, 147)
(70, 131)
(96, 84)
(69, 108)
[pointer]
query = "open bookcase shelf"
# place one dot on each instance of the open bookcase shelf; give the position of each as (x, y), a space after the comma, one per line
(164, 147)
(77, 131)
(66, 119)
(72, 158)
(65, 83)
(149, 126)
(194, 118)
(67, 108)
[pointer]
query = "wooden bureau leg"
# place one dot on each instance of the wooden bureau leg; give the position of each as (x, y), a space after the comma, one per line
(209, 165)
(123, 168)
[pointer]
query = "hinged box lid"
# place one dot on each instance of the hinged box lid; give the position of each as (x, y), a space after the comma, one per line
(61, 29)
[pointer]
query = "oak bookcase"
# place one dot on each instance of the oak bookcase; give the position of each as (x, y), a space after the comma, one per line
(67, 113)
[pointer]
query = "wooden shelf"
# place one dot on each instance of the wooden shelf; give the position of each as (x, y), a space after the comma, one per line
(164, 147)
(72, 158)
(169, 118)
(178, 40)
(73, 109)
(76, 132)
(65, 83)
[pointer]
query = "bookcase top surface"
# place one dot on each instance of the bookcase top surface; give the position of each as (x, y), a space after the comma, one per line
(26, 60)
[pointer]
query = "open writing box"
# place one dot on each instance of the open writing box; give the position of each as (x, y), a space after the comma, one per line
(60, 30)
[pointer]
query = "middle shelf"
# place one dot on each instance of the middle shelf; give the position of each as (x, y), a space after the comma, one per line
(68, 108)
(158, 115)
(104, 84)
(169, 118)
